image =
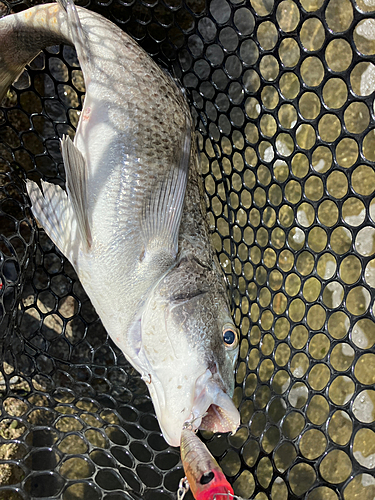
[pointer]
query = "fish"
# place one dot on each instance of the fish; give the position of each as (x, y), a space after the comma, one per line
(132, 220)
(204, 476)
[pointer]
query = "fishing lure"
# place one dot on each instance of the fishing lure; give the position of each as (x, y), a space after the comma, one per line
(204, 476)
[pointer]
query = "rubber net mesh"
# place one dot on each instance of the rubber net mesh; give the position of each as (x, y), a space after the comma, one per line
(282, 94)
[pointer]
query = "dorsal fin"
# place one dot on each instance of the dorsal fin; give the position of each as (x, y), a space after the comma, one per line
(162, 211)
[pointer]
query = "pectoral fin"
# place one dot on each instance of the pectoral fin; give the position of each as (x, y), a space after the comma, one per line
(162, 211)
(76, 185)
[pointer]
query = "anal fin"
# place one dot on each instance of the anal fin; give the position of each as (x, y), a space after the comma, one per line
(53, 211)
(78, 34)
(76, 184)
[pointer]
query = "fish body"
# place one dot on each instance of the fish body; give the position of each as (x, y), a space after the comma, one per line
(132, 220)
(205, 477)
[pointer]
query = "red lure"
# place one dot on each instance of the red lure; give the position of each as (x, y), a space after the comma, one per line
(203, 473)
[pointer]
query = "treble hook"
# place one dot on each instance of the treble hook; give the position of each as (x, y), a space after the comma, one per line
(189, 423)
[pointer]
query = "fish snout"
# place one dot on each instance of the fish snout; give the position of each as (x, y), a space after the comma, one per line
(213, 409)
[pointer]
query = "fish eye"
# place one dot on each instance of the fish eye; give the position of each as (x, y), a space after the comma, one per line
(230, 336)
(207, 477)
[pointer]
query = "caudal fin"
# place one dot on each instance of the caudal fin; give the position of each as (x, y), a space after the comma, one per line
(7, 77)
(11, 66)
(24, 35)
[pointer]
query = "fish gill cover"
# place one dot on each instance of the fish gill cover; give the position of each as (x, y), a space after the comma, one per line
(282, 98)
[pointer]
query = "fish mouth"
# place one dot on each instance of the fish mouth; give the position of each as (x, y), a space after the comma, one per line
(213, 409)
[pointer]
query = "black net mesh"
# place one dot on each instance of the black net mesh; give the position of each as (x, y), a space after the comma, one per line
(282, 93)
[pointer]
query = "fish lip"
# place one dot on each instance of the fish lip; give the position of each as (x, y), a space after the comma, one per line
(209, 408)
(213, 409)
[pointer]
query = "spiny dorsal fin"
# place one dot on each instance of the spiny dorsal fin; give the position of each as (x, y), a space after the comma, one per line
(76, 185)
(162, 211)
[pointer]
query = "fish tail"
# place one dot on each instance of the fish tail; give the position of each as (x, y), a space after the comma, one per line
(25, 34)
(9, 72)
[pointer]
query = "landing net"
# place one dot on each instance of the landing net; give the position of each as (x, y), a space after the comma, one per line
(282, 94)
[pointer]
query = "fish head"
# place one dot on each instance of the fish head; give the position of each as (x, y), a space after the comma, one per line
(189, 348)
